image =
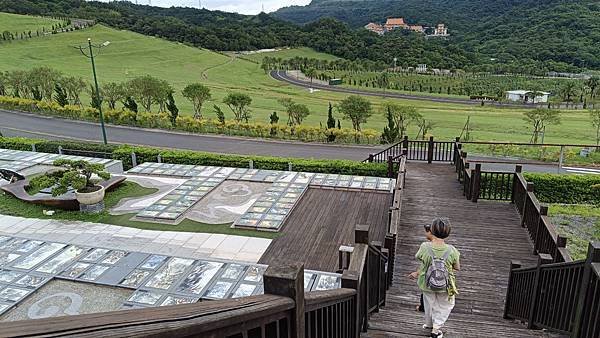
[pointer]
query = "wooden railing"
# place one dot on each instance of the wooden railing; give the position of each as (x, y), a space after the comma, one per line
(417, 150)
(561, 297)
(512, 186)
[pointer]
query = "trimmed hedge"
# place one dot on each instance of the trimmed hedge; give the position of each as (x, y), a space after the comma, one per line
(566, 189)
(149, 154)
(347, 167)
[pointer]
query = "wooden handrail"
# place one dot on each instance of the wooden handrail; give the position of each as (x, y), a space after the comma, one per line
(173, 321)
(318, 299)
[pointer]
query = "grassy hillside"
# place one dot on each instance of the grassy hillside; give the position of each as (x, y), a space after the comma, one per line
(23, 23)
(131, 54)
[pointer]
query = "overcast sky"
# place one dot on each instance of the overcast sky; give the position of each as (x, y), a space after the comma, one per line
(239, 6)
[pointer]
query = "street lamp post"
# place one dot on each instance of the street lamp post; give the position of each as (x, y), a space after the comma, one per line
(90, 48)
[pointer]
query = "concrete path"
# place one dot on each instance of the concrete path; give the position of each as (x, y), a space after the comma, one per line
(172, 243)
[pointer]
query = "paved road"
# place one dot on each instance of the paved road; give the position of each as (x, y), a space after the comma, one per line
(29, 125)
(283, 76)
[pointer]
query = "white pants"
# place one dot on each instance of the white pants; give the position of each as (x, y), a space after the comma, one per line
(437, 308)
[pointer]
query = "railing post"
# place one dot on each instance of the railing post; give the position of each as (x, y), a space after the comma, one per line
(159, 158)
(390, 162)
(33, 147)
(456, 150)
(593, 256)
(133, 160)
(288, 281)
(561, 158)
(528, 188)
(561, 242)
(518, 170)
(60, 150)
(371, 157)
(390, 244)
(405, 142)
(536, 243)
(476, 183)
(361, 234)
(350, 280)
(542, 259)
(430, 150)
(507, 300)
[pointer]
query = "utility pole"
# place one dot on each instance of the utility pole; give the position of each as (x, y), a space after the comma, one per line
(90, 56)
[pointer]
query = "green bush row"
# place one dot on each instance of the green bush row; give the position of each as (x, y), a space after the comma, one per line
(347, 167)
(566, 189)
(149, 154)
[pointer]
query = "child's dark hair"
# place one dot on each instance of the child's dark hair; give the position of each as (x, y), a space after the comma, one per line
(427, 227)
(440, 228)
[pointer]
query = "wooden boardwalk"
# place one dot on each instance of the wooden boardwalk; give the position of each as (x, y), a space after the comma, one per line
(488, 235)
(323, 220)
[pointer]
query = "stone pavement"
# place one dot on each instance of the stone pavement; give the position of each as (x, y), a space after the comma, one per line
(171, 243)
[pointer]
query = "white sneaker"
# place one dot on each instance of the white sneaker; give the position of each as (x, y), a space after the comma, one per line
(439, 334)
(426, 327)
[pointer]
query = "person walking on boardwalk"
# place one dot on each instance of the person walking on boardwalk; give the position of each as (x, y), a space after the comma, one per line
(436, 276)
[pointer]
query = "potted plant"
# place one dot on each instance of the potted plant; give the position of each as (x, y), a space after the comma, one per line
(79, 175)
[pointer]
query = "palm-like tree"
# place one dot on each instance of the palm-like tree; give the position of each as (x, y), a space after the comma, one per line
(569, 90)
(593, 84)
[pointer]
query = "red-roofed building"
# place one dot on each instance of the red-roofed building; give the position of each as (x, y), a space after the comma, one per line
(417, 28)
(394, 23)
(376, 28)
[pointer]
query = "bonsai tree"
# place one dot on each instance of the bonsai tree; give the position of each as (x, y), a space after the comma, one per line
(76, 174)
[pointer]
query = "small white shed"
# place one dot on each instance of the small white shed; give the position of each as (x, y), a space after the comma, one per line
(527, 96)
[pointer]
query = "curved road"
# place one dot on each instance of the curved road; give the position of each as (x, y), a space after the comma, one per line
(29, 125)
(284, 77)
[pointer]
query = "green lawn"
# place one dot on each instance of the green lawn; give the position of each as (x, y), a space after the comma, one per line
(24, 23)
(14, 207)
(131, 54)
(579, 223)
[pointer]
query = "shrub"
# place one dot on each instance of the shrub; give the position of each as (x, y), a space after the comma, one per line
(149, 154)
(566, 189)
(189, 124)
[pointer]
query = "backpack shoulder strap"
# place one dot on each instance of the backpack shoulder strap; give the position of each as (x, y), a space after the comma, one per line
(430, 251)
(447, 252)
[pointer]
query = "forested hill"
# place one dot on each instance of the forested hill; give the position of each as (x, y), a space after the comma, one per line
(558, 32)
(233, 32)
(517, 36)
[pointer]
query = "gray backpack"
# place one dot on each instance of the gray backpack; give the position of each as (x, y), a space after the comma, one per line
(437, 276)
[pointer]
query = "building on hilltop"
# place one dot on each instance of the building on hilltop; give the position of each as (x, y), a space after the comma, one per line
(398, 23)
(376, 28)
(395, 23)
(440, 30)
(417, 28)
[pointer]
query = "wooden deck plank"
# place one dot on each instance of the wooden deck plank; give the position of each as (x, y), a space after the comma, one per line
(488, 235)
(323, 220)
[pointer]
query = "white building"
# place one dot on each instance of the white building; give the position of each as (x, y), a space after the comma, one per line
(527, 96)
